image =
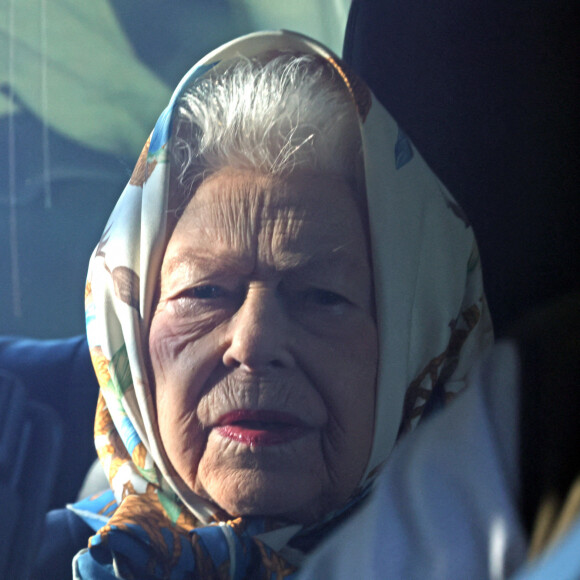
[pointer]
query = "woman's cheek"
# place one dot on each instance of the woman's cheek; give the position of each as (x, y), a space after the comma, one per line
(176, 400)
(170, 336)
(182, 359)
(184, 442)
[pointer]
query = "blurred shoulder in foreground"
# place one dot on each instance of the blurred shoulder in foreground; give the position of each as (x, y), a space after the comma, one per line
(489, 488)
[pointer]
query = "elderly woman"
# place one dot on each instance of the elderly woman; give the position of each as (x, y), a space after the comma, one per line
(282, 290)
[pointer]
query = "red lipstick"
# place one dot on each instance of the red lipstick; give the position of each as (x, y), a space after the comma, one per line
(260, 428)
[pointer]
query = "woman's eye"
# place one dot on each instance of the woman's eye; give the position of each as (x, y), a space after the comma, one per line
(207, 292)
(322, 297)
(205, 298)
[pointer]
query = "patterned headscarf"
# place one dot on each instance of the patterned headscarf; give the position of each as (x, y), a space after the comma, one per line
(431, 315)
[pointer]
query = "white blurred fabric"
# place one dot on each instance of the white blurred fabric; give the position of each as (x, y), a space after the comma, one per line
(445, 506)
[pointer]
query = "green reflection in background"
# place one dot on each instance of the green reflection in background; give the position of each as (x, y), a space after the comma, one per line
(82, 85)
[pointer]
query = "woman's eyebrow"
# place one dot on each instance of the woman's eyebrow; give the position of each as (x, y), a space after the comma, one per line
(319, 263)
(225, 261)
(203, 261)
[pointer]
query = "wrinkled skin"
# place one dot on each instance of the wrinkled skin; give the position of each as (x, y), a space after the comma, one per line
(263, 345)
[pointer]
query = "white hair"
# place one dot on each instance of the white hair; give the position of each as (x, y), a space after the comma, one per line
(292, 113)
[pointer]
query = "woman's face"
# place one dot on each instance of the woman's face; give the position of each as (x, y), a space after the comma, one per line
(264, 346)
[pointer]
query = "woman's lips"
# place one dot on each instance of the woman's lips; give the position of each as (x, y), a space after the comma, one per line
(260, 428)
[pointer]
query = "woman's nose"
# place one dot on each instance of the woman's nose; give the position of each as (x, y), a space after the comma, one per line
(258, 333)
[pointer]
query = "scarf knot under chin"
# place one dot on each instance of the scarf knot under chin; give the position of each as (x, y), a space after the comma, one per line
(141, 542)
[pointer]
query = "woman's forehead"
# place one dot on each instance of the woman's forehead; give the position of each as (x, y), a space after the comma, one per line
(308, 196)
(294, 221)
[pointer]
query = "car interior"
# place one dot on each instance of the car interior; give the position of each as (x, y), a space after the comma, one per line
(487, 92)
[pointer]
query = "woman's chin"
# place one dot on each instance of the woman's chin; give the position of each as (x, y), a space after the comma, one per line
(276, 495)
(294, 480)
